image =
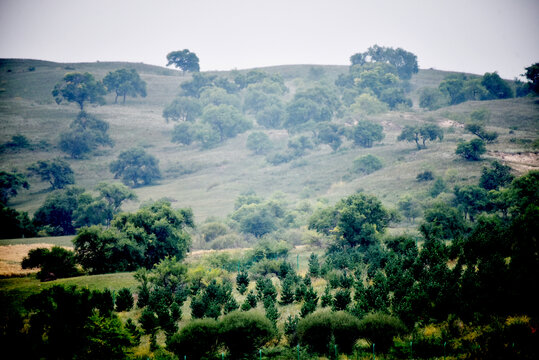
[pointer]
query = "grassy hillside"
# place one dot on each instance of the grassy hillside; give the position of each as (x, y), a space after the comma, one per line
(210, 180)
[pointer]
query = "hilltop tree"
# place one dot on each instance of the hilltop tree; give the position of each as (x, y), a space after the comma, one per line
(184, 60)
(496, 86)
(10, 184)
(125, 82)
(135, 165)
(79, 88)
(404, 61)
(532, 74)
(57, 172)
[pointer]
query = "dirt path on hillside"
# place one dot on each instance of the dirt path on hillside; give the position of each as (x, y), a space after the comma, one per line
(12, 255)
(521, 162)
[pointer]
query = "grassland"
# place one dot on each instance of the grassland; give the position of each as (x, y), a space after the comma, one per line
(219, 175)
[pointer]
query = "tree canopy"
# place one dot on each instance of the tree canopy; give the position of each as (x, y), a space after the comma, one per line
(426, 132)
(136, 166)
(79, 88)
(10, 184)
(184, 60)
(125, 82)
(57, 172)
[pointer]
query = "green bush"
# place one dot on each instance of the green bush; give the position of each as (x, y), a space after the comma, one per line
(321, 328)
(198, 339)
(379, 329)
(124, 300)
(55, 263)
(243, 333)
(367, 164)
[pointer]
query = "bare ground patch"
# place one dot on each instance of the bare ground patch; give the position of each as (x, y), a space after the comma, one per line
(521, 162)
(12, 255)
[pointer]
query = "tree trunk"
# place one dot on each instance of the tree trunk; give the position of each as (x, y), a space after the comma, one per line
(124, 99)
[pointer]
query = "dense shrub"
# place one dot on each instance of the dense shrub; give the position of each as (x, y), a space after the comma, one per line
(367, 164)
(55, 263)
(379, 328)
(124, 300)
(317, 330)
(198, 339)
(243, 333)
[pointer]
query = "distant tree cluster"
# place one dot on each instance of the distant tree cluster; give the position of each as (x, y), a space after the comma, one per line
(458, 88)
(378, 76)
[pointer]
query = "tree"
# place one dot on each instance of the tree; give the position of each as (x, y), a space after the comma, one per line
(56, 213)
(365, 133)
(480, 132)
(184, 60)
(86, 134)
(115, 194)
(183, 108)
(259, 143)
(79, 88)
(330, 133)
(243, 333)
(67, 323)
(124, 300)
(57, 172)
(367, 164)
(359, 219)
(532, 74)
(379, 329)
(322, 328)
(425, 132)
(161, 228)
(10, 184)
(497, 176)
(314, 265)
(226, 120)
(409, 208)
(471, 199)
(404, 61)
(497, 88)
(367, 104)
(453, 87)
(471, 150)
(125, 82)
(271, 117)
(54, 263)
(432, 99)
(198, 339)
(135, 166)
(15, 224)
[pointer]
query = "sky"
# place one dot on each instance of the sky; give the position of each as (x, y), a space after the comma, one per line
(474, 36)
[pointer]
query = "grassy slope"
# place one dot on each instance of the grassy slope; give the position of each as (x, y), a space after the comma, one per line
(27, 107)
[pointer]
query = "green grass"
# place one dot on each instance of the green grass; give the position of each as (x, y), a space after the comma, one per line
(55, 240)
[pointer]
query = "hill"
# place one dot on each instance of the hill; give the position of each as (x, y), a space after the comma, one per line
(210, 180)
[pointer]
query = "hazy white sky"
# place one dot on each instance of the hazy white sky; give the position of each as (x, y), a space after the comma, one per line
(463, 35)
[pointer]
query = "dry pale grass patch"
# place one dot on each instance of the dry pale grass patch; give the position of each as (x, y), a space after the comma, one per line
(12, 255)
